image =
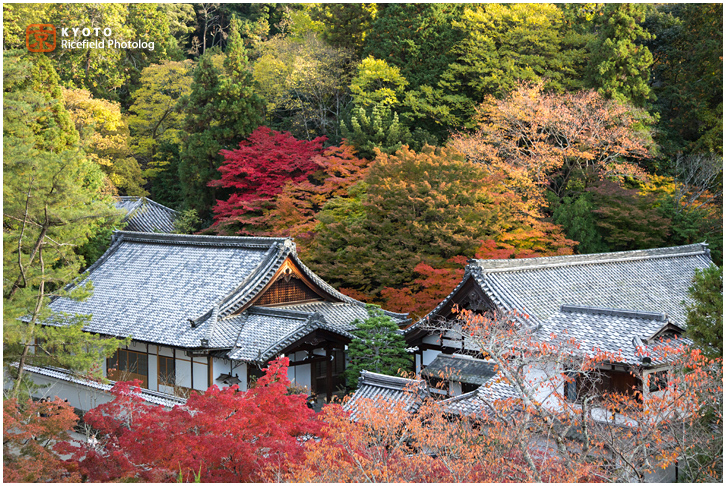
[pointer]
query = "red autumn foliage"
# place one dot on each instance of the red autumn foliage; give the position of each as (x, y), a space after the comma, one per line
(31, 432)
(219, 436)
(258, 170)
(299, 202)
(426, 292)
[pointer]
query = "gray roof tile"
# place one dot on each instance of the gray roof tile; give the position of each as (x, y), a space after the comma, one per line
(186, 291)
(376, 387)
(478, 403)
(615, 331)
(463, 369)
(157, 398)
(145, 215)
(654, 280)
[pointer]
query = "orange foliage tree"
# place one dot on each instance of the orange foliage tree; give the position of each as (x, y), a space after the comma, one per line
(421, 207)
(540, 139)
(535, 434)
(31, 433)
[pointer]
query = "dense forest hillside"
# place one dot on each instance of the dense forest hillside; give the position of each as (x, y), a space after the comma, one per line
(393, 141)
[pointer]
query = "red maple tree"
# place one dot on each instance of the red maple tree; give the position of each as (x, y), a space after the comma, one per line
(222, 435)
(257, 171)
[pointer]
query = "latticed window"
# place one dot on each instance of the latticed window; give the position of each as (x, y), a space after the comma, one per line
(167, 371)
(127, 365)
(287, 290)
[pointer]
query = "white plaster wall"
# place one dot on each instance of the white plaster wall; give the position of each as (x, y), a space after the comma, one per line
(544, 392)
(301, 375)
(432, 339)
(153, 372)
(183, 372)
(78, 396)
(428, 356)
(164, 351)
(219, 366)
(241, 372)
(201, 378)
(137, 346)
(417, 363)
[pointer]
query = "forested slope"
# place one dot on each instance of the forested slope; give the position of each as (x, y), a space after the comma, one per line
(393, 141)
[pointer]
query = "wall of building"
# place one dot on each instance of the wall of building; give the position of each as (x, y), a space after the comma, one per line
(191, 372)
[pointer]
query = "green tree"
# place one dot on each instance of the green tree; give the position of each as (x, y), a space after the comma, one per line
(379, 347)
(705, 314)
(376, 82)
(52, 203)
(305, 84)
(688, 76)
(104, 136)
(377, 127)
(505, 44)
(110, 73)
(619, 66)
(575, 214)
(156, 115)
(346, 24)
(419, 207)
(223, 109)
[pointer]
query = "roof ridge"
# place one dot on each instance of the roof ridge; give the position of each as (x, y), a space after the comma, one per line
(633, 314)
(271, 256)
(275, 312)
(257, 279)
(379, 379)
(509, 265)
(203, 240)
(161, 206)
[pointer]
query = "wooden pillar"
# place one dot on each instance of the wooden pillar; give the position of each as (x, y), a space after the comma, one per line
(329, 372)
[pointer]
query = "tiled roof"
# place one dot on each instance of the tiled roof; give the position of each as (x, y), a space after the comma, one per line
(615, 331)
(265, 331)
(157, 398)
(189, 291)
(150, 286)
(342, 313)
(376, 387)
(463, 369)
(145, 215)
(478, 402)
(654, 280)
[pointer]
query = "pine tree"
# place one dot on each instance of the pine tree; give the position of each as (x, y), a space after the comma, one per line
(705, 314)
(620, 67)
(380, 348)
(377, 127)
(222, 110)
(53, 202)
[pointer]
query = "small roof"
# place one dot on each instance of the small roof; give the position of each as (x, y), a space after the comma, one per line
(655, 280)
(145, 215)
(376, 387)
(478, 403)
(265, 332)
(150, 396)
(461, 368)
(631, 334)
(195, 291)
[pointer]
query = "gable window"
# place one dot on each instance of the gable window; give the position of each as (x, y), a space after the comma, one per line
(167, 371)
(127, 365)
(286, 290)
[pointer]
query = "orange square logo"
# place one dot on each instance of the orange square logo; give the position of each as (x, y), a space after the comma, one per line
(40, 37)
